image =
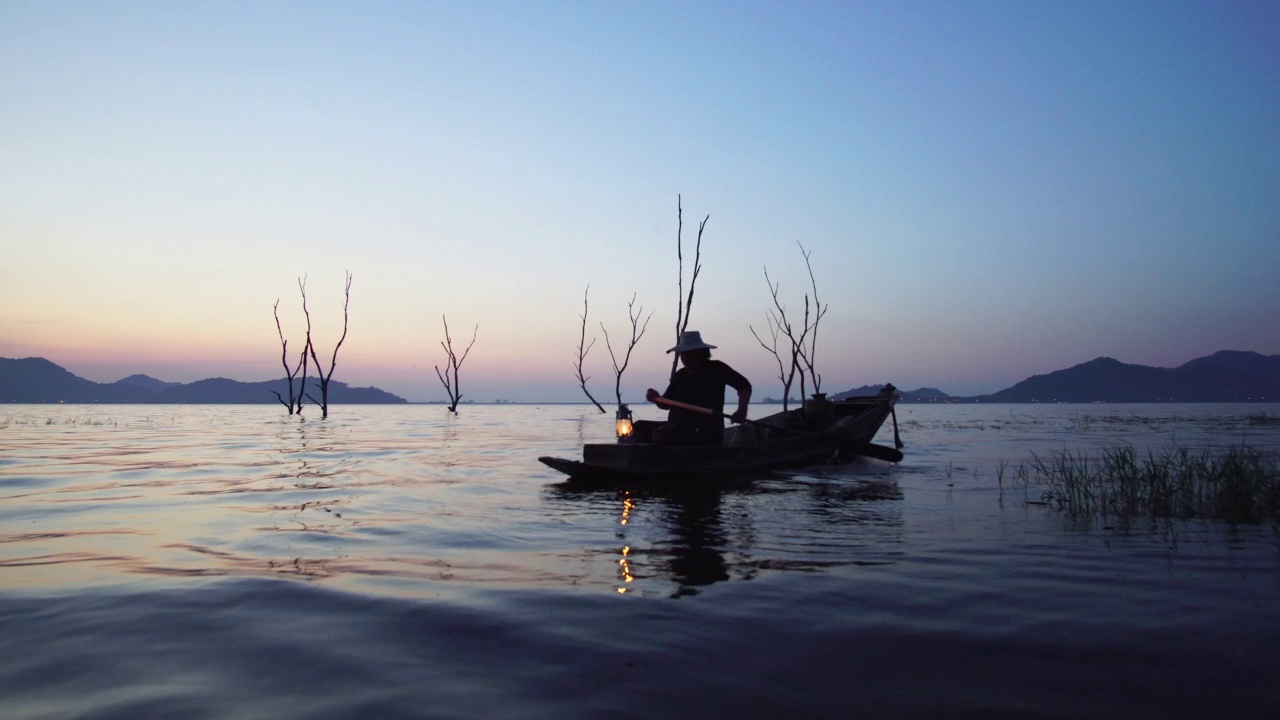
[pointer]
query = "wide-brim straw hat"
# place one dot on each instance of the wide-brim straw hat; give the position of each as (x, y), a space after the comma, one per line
(691, 340)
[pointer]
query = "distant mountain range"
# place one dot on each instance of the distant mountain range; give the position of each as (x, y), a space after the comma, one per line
(1227, 376)
(36, 380)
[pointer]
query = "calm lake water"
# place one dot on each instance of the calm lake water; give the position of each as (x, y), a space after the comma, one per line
(398, 562)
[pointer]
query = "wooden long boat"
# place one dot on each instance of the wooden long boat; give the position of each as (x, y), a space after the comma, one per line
(835, 432)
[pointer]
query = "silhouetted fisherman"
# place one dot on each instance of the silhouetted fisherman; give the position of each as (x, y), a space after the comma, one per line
(700, 382)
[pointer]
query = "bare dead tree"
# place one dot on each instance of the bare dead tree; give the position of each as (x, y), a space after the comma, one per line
(809, 355)
(637, 332)
(803, 341)
(306, 348)
(799, 350)
(772, 348)
(684, 304)
(453, 362)
(780, 326)
(583, 349)
(302, 388)
(321, 375)
(294, 404)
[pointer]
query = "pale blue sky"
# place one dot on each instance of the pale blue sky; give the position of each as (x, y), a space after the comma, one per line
(990, 190)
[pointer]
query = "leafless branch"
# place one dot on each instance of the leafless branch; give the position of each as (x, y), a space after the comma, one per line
(804, 343)
(302, 391)
(453, 362)
(783, 328)
(684, 304)
(637, 332)
(772, 349)
(583, 349)
(323, 376)
(810, 355)
(294, 404)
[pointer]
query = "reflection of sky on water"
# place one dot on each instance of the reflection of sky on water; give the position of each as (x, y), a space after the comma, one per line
(396, 559)
(413, 501)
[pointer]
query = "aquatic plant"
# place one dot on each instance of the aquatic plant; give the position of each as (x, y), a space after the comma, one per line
(1236, 484)
(48, 421)
(1267, 419)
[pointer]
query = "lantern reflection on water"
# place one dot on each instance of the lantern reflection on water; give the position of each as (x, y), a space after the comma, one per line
(624, 565)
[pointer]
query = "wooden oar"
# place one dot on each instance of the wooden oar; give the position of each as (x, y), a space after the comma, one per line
(708, 411)
(880, 452)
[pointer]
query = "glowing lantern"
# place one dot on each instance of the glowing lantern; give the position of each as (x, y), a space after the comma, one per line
(623, 424)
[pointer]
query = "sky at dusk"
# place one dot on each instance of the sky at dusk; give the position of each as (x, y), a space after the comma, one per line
(989, 190)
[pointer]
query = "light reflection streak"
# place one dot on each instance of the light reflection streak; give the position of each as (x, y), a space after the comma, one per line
(624, 562)
(627, 507)
(624, 565)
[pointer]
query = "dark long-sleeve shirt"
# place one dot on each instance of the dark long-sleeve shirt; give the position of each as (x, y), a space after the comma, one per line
(704, 387)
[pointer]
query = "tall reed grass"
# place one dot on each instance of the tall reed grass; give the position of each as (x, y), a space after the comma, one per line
(1237, 484)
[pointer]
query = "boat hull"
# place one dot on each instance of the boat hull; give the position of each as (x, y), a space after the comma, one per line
(779, 441)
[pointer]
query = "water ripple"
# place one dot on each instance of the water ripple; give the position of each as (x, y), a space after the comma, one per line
(396, 561)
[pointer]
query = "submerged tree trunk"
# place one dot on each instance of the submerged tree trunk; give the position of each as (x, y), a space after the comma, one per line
(453, 362)
(293, 405)
(321, 375)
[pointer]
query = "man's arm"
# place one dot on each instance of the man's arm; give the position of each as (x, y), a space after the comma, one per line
(744, 397)
(735, 380)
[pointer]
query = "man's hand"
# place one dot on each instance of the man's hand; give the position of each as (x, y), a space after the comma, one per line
(651, 395)
(739, 415)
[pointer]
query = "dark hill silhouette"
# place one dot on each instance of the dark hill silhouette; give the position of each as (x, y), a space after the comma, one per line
(1245, 364)
(1226, 376)
(918, 395)
(1103, 378)
(222, 390)
(36, 380)
(148, 382)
